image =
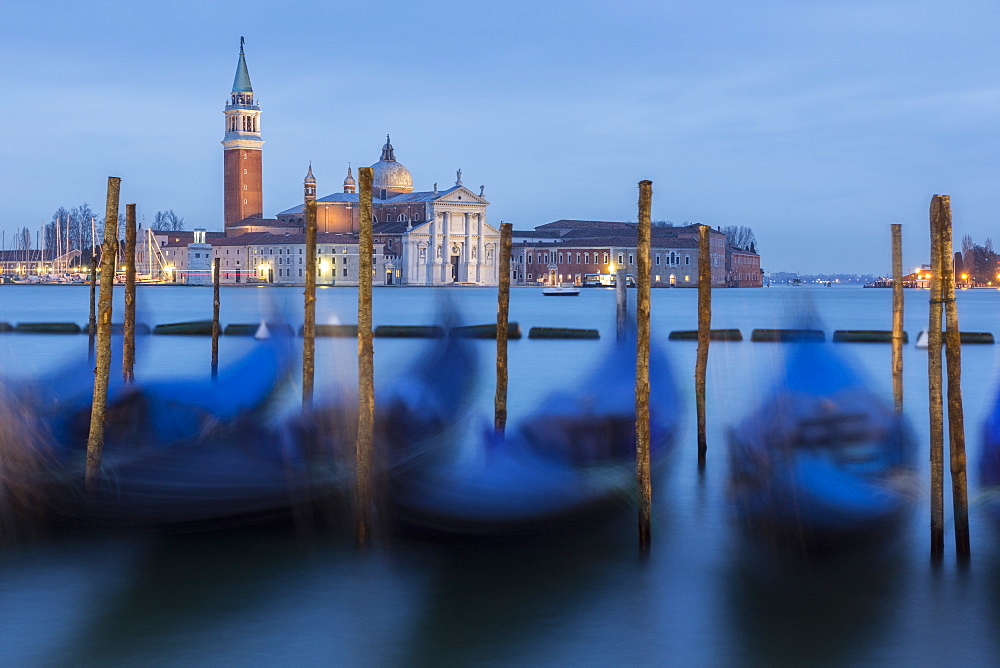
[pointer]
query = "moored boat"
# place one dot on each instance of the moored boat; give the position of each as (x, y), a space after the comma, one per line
(570, 461)
(823, 460)
(561, 291)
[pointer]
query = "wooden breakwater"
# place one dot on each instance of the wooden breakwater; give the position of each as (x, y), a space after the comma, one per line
(486, 332)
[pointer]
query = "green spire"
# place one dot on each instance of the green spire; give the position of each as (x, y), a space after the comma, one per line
(241, 84)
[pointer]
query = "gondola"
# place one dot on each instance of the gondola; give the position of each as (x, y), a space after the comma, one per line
(823, 460)
(567, 464)
(989, 464)
(173, 451)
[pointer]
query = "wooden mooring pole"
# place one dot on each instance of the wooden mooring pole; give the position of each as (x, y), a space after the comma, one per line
(128, 329)
(109, 253)
(92, 321)
(897, 317)
(934, 385)
(216, 304)
(621, 303)
(953, 358)
(503, 314)
(309, 318)
(642, 429)
(704, 334)
(366, 366)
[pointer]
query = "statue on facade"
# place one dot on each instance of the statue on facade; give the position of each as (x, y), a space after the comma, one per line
(458, 178)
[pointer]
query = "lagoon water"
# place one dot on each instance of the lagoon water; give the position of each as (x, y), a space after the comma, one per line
(704, 595)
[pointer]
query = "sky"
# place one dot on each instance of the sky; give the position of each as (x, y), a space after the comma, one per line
(817, 124)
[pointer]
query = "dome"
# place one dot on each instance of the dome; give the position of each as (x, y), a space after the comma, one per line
(309, 176)
(389, 174)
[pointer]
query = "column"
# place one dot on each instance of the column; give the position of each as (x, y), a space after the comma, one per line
(479, 250)
(432, 258)
(467, 248)
(446, 249)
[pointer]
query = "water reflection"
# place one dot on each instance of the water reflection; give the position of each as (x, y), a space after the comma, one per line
(811, 609)
(497, 601)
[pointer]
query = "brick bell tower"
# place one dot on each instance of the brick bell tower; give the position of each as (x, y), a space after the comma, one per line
(242, 151)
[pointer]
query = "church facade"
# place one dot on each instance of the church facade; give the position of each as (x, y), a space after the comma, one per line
(431, 237)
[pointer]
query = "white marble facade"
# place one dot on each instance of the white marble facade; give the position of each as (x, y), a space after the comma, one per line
(454, 245)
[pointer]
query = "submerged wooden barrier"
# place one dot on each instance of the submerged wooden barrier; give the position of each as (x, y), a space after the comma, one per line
(194, 328)
(47, 328)
(562, 333)
(6, 327)
(485, 331)
(334, 330)
(409, 332)
(866, 336)
(713, 335)
(976, 337)
(250, 329)
(786, 335)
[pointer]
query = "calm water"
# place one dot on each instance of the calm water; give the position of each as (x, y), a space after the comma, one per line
(704, 595)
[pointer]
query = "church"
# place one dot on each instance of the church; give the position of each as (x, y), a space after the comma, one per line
(432, 237)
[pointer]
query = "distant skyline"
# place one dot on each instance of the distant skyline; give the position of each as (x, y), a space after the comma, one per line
(816, 124)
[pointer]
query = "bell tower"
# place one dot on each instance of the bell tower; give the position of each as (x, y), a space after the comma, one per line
(242, 151)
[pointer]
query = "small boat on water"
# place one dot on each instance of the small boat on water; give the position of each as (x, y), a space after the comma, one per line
(570, 461)
(823, 460)
(174, 451)
(989, 464)
(561, 291)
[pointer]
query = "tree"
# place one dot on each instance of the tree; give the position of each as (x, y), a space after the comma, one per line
(663, 223)
(75, 224)
(167, 221)
(740, 236)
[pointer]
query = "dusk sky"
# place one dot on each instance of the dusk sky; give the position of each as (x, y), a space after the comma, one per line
(815, 123)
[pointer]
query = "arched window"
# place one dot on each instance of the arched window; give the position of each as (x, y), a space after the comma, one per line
(586, 258)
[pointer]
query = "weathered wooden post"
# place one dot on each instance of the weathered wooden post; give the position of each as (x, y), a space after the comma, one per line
(934, 383)
(704, 334)
(92, 321)
(366, 365)
(128, 329)
(642, 435)
(216, 303)
(897, 317)
(621, 303)
(953, 357)
(309, 319)
(503, 314)
(95, 439)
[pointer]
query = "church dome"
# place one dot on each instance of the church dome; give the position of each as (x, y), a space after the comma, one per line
(389, 174)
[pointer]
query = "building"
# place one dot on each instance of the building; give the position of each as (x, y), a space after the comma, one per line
(435, 237)
(242, 155)
(422, 238)
(589, 252)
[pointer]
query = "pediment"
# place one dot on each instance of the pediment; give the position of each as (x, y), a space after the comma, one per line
(463, 192)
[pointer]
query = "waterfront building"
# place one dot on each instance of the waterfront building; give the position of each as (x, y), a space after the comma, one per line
(743, 268)
(423, 238)
(264, 258)
(435, 237)
(586, 252)
(242, 155)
